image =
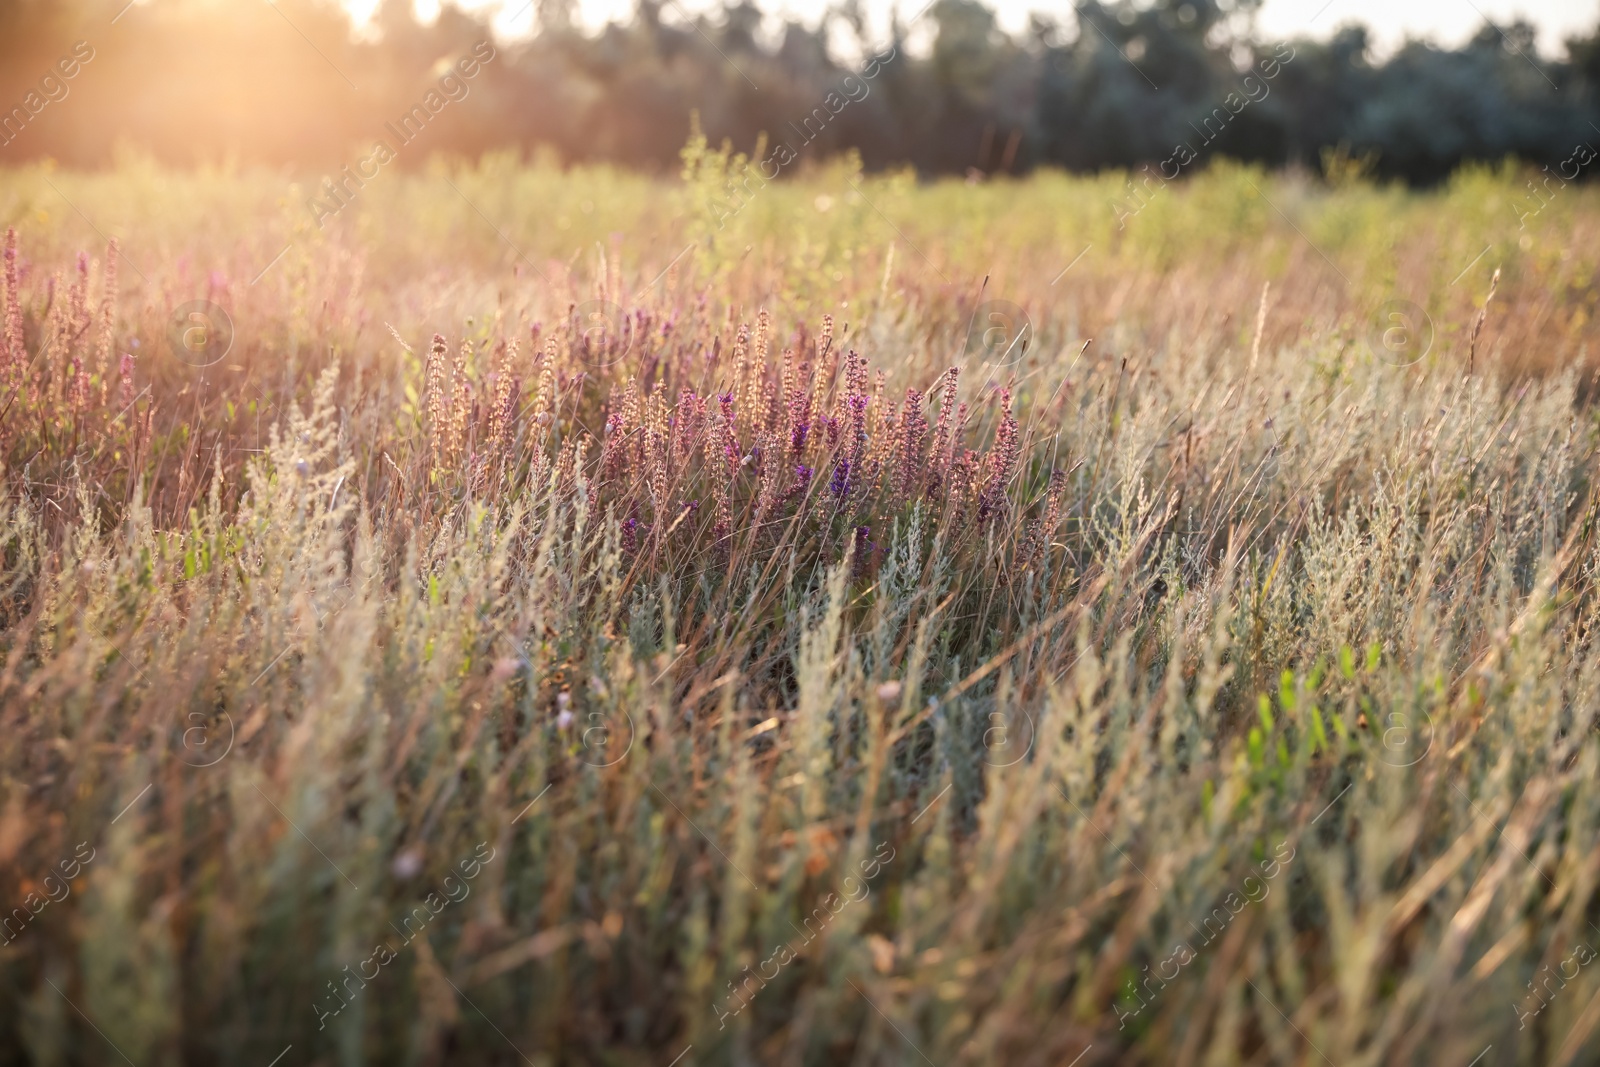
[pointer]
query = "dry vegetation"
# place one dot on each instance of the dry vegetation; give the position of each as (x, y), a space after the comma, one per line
(1212, 692)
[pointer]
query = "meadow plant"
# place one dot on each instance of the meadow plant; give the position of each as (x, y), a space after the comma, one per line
(690, 620)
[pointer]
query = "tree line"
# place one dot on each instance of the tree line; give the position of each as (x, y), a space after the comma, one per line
(1114, 84)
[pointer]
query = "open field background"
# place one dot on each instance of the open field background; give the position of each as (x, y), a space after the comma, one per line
(679, 659)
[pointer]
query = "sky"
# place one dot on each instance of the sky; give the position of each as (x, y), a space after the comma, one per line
(1447, 22)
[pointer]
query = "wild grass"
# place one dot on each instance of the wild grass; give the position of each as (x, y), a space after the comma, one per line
(771, 673)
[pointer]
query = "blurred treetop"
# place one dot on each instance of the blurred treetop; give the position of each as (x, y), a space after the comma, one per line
(1117, 84)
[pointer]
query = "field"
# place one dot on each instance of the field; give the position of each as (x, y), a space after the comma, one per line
(572, 617)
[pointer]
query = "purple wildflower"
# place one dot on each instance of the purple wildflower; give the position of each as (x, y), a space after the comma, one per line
(839, 484)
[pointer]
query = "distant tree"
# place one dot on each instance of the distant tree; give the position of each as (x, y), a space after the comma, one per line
(1116, 83)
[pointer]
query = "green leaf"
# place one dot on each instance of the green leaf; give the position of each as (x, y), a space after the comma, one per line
(1319, 671)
